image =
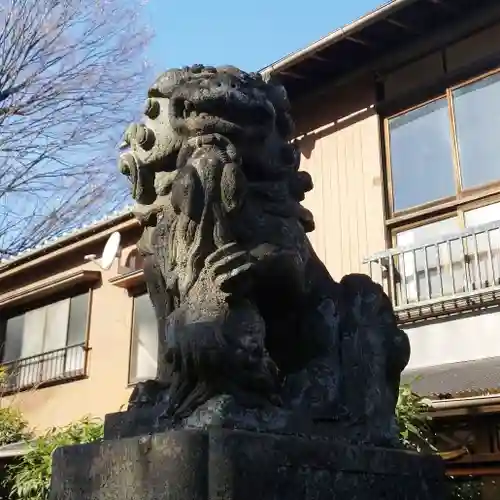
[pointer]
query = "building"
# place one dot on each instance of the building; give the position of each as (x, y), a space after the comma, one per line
(67, 326)
(396, 117)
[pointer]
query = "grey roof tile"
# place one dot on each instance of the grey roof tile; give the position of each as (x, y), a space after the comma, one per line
(468, 378)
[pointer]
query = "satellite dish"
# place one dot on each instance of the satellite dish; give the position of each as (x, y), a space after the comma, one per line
(110, 251)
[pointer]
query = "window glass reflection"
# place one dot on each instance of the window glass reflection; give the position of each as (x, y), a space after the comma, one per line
(144, 349)
(46, 343)
(477, 119)
(421, 155)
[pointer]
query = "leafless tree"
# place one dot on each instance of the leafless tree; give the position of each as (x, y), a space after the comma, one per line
(71, 72)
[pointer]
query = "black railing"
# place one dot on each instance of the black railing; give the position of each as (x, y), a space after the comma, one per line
(48, 367)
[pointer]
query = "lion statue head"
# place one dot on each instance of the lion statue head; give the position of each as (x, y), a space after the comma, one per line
(220, 134)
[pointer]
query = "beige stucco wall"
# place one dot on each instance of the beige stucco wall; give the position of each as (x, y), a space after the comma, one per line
(342, 152)
(105, 389)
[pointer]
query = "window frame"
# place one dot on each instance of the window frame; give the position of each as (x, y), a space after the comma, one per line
(425, 212)
(470, 269)
(39, 304)
(457, 211)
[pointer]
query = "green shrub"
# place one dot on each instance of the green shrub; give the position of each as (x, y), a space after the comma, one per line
(413, 419)
(415, 433)
(13, 427)
(30, 478)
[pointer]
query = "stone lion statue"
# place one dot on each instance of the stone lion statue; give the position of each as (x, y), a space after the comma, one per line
(253, 331)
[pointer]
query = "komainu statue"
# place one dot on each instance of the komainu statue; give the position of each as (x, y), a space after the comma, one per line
(253, 331)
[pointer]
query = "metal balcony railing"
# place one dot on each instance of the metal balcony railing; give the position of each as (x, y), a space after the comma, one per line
(454, 269)
(48, 367)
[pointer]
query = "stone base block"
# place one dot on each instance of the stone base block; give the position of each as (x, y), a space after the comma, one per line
(223, 464)
(135, 422)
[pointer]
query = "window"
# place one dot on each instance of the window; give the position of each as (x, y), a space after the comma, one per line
(144, 348)
(441, 258)
(47, 343)
(477, 118)
(484, 247)
(445, 147)
(423, 270)
(421, 150)
(443, 179)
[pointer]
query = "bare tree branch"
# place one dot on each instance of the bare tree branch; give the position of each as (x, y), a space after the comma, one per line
(70, 71)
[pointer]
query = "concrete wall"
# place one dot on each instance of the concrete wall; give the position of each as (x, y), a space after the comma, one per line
(342, 152)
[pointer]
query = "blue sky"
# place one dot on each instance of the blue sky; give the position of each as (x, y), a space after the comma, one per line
(248, 34)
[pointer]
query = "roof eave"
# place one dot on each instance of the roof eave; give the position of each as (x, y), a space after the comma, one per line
(465, 402)
(65, 241)
(350, 29)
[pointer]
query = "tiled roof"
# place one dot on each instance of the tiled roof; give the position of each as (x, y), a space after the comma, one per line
(65, 237)
(454, 380)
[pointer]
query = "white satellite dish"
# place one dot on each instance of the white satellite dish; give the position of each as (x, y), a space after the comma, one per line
(110, 251)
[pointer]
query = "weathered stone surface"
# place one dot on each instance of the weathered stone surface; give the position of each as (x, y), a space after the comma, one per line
(221, 412)
(135, 422)
(245, 308)
(169, 466)
(237, 465)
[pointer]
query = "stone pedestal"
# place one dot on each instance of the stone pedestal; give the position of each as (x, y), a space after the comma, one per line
(219, 464)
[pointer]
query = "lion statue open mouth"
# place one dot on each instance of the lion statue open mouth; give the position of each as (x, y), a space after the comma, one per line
(245, 308)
